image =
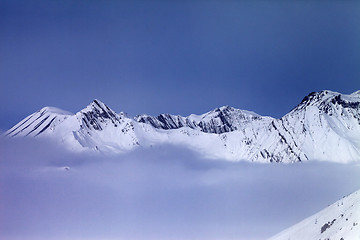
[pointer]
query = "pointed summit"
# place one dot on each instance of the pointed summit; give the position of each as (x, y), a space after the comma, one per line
(97, 104)
(97, 113)
(100, 108)
(225, 108)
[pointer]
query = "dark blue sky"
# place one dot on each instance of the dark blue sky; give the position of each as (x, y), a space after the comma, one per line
(178, 57)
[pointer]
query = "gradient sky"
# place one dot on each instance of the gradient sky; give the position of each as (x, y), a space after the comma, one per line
(177, 57)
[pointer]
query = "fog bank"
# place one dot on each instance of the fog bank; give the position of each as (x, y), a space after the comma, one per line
(164, 192)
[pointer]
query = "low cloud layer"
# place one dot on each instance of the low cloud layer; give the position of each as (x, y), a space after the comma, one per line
(157, 193)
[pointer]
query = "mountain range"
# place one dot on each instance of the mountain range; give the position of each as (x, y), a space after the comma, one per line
(325, 126)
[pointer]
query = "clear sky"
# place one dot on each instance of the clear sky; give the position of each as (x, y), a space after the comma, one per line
(177, 57)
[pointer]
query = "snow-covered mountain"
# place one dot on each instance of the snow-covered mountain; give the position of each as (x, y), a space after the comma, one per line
(339, 221)
(220, 120)
(324, 126)
(95, 127)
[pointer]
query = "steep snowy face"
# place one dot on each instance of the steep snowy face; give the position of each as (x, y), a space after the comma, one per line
(325, 125)
(39, 122)
(340, 221)
(328, 101)
(97, 116)
(220, 120)
(164, 121)
(101, 128)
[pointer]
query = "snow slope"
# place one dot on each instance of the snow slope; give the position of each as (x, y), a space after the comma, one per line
(339, 221)
(324, 126)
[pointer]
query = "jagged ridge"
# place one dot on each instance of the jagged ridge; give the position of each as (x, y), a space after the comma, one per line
(220, 120)
(324, 126)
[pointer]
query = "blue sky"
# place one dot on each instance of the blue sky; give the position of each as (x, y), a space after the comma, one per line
(178, 57)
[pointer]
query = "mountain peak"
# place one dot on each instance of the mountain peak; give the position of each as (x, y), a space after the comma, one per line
(316, 96)
(357, 93)
(97, 104)
(59, 111)
(225, 108)
(96, 113)
(319, 99)
(99, 107)
(38, 122)
(330, 102)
